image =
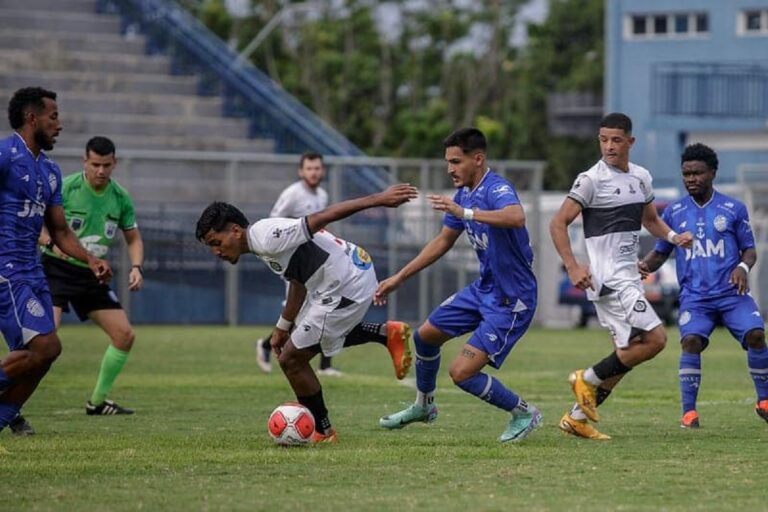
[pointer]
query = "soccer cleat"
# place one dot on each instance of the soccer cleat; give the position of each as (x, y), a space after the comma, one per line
(585, 394)
(21, 427)
(262, 356)
(330, 372)
(690, 420)
(762, 409)
(580, 428)
(411, 414)
(398, 336)
(106, 408)
(318, 438)
(521, 425)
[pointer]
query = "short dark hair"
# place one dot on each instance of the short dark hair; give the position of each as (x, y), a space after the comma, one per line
(617, 120)
(22, 100)
(468, 139)
(102, 146)
(702, 153)
(310, 155)
(216, 216)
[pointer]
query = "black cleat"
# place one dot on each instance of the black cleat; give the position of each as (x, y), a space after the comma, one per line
(106, 408)
(20, 427)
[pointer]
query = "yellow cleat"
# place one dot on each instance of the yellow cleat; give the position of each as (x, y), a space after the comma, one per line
(398, 335)
(580, 428)
(585, 393)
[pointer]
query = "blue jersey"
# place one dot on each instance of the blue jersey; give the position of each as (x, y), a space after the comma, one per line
(505, 254)
(721, 232)
(28, 185)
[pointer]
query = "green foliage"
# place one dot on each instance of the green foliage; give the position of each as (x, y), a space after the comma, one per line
(198, 440)
(213, 13)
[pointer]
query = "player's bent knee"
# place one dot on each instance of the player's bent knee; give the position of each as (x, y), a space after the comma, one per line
(692, 344)
(124, 339)
(755, 339)
(459, 375)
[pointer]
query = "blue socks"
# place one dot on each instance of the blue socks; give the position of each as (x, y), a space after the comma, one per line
(4, 380)
(491, 390)
(7, 413)
(690, 380)
(427, 366)
(757, 360)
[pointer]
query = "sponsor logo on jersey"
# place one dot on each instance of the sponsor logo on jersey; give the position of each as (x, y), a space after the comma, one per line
(361, 259)
(502, 190)
(76, 223)
(720, 223)
(31, 209)
(275, 266)
(110, 228)
(705, 249)
(35, 308)
(52, 181)
(479, 241)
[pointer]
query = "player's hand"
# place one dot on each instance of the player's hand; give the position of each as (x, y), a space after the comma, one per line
(385, 287)
(740, 280)
(397, 194)
(100, 269)
(581, 277)
(683, 239)
(642, 267)
(135, 279)
(279, 339)
(445, 205)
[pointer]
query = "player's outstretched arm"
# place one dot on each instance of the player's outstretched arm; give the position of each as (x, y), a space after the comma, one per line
(431, 252)
(579, 275)
(66, 240)
(511, 216)
(392, 197)
(660, 229)
(136, 254)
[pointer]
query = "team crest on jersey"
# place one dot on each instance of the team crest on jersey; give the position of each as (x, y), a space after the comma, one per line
(52, 181)
(502, 190)
(640, 306)
(275, 266)
(685, 317)
(721, 223)
(76, 223)
(361, 259)
(35, 308)
(110, 228)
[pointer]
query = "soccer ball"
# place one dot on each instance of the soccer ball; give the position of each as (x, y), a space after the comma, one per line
(291, 424)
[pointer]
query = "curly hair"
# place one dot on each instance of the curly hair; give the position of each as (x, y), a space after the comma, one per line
(216, 216)
(701, 153)
(22, 100)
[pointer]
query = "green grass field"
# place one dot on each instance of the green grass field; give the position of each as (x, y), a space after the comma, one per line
(198, 440)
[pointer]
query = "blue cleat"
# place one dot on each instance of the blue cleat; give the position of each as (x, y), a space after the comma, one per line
(411, 414)
(521, 425)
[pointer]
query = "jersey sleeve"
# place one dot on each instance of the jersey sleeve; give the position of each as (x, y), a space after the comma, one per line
(56, 198)
(583, 190)
(276, 235)
(744, 236)
(663, 246)
(646, 185)
(501, 195)
(127, 213)
(454, 222)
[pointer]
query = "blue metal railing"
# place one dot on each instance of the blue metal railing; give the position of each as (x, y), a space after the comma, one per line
(247, 91)
(710, 89)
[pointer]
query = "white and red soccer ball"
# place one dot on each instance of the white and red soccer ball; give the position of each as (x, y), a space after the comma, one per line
(291, 424)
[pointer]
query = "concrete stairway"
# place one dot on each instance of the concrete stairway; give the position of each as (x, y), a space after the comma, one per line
(106, 84)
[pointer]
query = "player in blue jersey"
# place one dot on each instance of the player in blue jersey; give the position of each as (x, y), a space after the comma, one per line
(30, 195)
(498, 306)
(713, 278)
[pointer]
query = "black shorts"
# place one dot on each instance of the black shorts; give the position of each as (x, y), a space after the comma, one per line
(72, 284)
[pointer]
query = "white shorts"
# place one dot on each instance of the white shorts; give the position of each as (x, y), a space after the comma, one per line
(625, 312)
(329, 324)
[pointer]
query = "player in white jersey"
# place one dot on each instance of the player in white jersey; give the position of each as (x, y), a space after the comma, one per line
(615, 199)
(299, 199)
(332, 282)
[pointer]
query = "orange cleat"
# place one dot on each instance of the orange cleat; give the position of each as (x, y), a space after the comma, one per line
(762, 409)
(398, 336)
(585, 393)
(329, 438)
(690, 420)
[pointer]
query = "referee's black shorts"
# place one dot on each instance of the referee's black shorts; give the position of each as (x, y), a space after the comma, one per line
(72, 284)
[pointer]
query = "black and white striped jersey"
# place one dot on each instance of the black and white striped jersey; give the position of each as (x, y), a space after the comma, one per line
(329, 267)
(612, 203)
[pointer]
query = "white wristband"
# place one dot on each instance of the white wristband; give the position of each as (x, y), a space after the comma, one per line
(283, 324)
(671, 235)
(469, 214)
(745, 267)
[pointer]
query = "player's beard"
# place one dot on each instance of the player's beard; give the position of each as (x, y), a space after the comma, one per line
(45, 143)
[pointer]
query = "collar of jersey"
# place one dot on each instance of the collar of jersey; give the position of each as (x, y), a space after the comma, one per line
(29, 150)
(702, 206)
(487, 172)
(92, 190)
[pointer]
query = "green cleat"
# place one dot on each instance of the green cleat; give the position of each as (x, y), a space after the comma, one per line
(521, 425)
(411, 414)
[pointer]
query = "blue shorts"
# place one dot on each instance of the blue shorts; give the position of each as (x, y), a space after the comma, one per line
(26, 311)
(497, 326)
(738, 313)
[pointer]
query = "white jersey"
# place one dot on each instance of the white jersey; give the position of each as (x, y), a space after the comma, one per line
(612, 203)
(333, 270)
(298, 200)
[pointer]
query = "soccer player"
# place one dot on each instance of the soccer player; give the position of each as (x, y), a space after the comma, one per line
(96, 208)
(713, 280)
(30, 195)
(614, 198)
(498, 306)
(332, 282)
(298, 200)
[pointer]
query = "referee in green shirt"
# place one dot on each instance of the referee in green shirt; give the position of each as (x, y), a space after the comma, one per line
(96, 207)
